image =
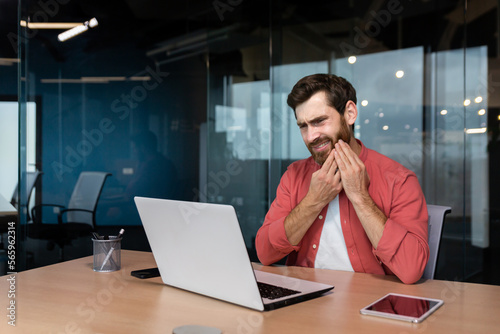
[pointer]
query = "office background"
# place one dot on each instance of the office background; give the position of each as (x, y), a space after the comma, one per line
(210, 78)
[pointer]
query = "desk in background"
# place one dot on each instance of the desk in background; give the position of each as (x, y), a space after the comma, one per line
(71, 298)
(8, 213)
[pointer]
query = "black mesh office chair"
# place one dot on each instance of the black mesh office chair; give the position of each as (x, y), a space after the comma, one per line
(75, 220)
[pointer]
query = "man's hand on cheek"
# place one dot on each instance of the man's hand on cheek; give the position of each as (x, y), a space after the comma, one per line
(355, 179)
(325, 183)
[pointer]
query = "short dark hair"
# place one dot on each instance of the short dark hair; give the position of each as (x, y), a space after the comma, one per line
(338, 91)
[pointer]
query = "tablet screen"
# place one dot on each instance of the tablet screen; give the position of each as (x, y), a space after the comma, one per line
(401, 307)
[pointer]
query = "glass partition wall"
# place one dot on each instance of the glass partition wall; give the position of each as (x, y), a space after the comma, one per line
(207, 82)
(421, 76)
(111, 99)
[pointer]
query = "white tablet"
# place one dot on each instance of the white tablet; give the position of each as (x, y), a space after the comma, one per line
(403, 307)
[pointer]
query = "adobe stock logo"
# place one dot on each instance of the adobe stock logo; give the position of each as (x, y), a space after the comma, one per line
(380, 19)
(49, 9)
(221, 7)
(121, 108)
(217, 181)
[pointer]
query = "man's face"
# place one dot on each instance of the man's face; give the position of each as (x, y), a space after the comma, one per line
(321, 126)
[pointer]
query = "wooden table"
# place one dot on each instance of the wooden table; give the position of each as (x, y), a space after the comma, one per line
(71, 298)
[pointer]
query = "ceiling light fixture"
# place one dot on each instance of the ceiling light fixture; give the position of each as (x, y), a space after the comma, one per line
(8, 61)
(64, 36)
(49, 25)
(476, 130)
(191, 44)
(95, 80)
(101, 79)
(143, 78)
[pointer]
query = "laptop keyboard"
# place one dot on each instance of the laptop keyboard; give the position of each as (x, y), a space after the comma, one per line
(274, 292)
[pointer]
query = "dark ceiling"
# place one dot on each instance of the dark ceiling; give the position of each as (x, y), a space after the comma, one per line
(141, 23)
(146, 24)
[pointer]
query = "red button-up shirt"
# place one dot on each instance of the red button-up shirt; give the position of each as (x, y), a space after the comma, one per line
(403, 249)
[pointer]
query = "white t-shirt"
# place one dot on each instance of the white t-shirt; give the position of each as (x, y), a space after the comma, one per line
(332, 251)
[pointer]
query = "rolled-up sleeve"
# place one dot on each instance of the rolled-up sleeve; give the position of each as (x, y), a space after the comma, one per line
(271, 242)
(403, 247)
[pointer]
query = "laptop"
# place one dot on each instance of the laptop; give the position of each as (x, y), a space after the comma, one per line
(199, 247)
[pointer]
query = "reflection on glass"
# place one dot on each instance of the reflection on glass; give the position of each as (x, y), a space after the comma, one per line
(155, 175)
(391, 99)
(406, 306)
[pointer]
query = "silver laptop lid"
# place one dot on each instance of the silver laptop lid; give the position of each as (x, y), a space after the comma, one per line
(199, 247)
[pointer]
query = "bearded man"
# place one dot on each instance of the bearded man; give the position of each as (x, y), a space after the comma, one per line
(346, 207)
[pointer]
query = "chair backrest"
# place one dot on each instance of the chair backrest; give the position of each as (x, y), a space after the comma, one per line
(85, 196)
(436, 219)
(29, 183)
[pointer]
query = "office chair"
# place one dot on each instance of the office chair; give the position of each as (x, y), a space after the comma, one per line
(436, 219)
(28, 181)
(77, 219)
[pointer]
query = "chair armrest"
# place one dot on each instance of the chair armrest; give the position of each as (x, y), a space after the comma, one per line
(38, 206)
(60, 215)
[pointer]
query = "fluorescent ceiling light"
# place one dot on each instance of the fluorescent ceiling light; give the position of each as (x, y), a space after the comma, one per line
(8, 61)
(102, 79)
(476, 130)
(64, 36)
(61, 81)
(144, 78)
(96, 80)
(49, 25)
(235, 128)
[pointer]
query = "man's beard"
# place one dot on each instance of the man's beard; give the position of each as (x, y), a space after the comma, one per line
(344, 133)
